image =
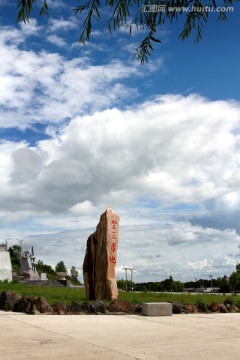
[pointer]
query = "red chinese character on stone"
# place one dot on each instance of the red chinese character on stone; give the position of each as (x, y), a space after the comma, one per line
(114, 223)
(113, 247)
(112, 259)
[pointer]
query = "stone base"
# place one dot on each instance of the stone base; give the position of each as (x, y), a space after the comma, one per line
(29, 275)
(157, 309)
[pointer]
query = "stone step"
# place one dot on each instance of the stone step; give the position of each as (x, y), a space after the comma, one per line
(157, 309)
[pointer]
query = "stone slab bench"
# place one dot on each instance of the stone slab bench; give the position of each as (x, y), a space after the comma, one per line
(157, 309)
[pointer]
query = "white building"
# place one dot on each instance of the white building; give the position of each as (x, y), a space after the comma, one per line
(5, 263)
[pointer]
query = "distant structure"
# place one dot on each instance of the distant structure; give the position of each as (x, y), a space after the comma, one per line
(28, 267)
(5, 263)
(101, 257)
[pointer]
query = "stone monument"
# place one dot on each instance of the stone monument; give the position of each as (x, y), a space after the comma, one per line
(28, 267)
(5, 263)
(101, 257)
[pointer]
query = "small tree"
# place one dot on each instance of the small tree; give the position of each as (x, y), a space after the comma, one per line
(168, 283)
(15, 255)
(44, 268)
(121, 284)
(238, 267)
(15, 251)
(74, 273)
(60, 267)
(234, 281)
(177, 286)
(223, 284)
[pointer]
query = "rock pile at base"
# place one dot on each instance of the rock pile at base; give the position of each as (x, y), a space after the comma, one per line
(8, 300)
(11, 301)
(213, 307)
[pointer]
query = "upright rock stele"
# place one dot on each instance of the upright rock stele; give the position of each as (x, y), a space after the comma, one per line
(101, 257)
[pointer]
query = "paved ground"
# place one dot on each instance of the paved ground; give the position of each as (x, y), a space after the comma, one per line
(90, 337)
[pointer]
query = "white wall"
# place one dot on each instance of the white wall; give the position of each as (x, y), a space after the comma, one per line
(5, 267)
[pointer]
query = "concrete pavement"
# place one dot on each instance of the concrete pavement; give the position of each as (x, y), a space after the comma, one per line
(105, 337)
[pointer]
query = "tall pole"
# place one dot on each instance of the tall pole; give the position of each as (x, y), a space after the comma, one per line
(196, 282)
(20, 242)
(126, 269)
(131, 278)
(211, 281)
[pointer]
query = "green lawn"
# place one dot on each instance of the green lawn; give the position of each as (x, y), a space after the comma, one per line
(51, 294)
(67, 295)
(175, 298)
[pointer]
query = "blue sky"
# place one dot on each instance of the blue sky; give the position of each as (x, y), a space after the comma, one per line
(82, 127)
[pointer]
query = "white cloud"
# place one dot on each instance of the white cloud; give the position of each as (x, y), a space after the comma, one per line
(159, 165)
(6, 163)
(182, 234)
(31, 28)
(56, 40)
(199, 265)
(168, 150)
(62, 24)
(56, 4)
(43, 87)
(83, 208)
